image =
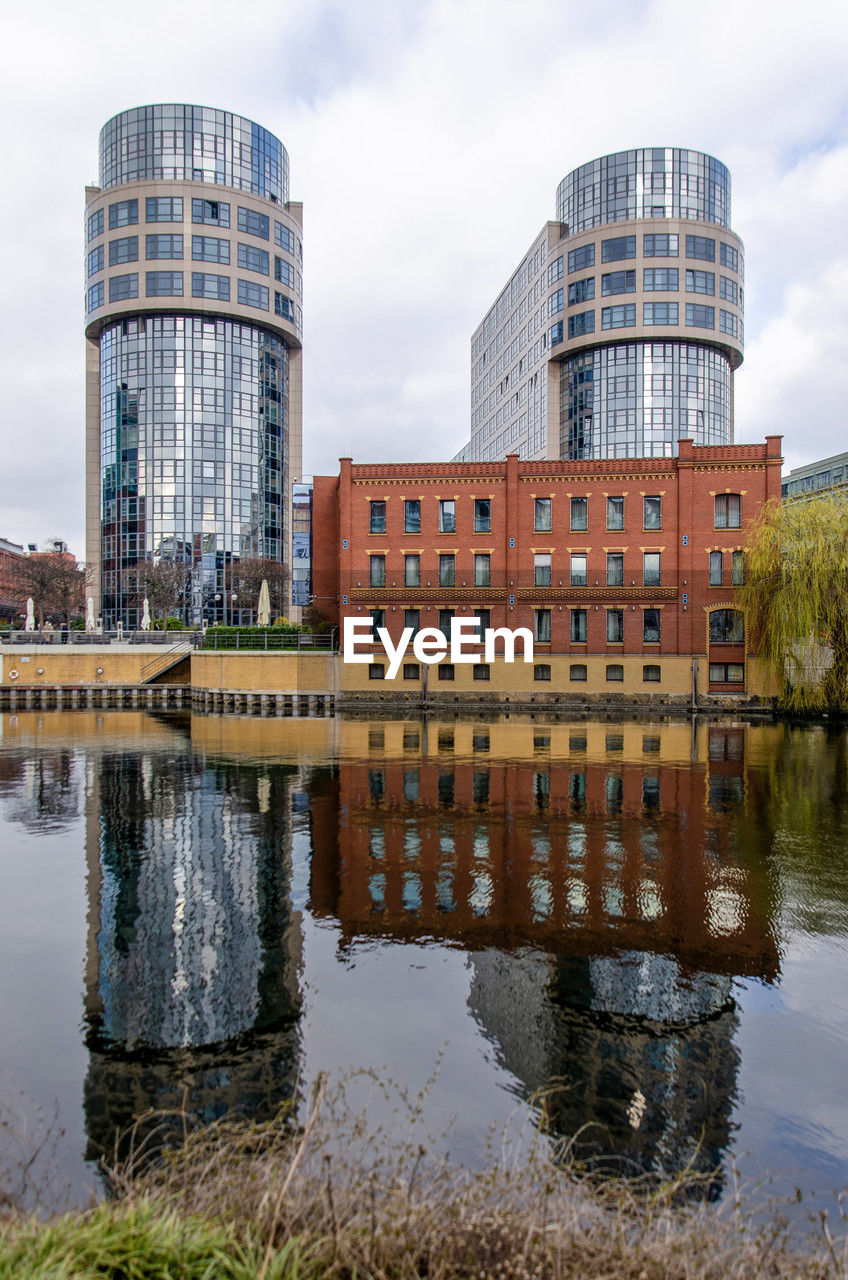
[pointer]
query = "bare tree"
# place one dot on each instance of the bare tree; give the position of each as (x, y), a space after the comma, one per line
(55, 582)
(315, 620)
(250, 573)
(164, 583)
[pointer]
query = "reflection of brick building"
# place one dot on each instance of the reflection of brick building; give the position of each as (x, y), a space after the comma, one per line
(623, 569)
(595, 879)
(559, 848)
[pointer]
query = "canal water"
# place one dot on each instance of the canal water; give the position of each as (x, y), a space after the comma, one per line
(633, 933)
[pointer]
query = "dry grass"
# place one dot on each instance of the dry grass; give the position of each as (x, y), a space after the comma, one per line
(352, 1203)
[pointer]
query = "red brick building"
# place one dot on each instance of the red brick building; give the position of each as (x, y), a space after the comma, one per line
(625, 570)
(11, 561)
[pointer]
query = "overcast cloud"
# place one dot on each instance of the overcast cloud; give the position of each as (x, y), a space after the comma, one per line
(426, 143)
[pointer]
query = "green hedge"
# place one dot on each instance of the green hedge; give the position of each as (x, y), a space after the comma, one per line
(275, 637)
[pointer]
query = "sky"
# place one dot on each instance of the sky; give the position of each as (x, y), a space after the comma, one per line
(426, 142)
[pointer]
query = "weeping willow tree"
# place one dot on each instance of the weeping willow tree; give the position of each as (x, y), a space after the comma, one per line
(796, 599)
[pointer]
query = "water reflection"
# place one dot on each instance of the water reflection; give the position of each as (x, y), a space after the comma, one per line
(194, 966)
(630, 905)
(42, 790)
(602, 899)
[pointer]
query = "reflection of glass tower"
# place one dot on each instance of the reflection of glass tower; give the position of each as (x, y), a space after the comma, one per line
(193, 985)
(637, 1056)
(618, 333)
(193, 322)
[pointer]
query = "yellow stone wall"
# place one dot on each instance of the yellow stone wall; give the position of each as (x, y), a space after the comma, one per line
(271, 672)
(67, 664)
(517, 679)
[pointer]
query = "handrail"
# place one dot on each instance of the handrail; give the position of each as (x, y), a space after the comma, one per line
(17, 635)
(246, 640)
(163, 661)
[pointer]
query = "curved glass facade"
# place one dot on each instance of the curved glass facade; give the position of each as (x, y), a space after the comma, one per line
(638, 399)
(194, 454)
(652, 182)
(177, 142)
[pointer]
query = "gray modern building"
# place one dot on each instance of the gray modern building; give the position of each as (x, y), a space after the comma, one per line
(193, 327)
(815, 477)
(620, 329)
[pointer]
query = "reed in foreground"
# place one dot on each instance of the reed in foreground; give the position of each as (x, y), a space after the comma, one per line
(328, 1199)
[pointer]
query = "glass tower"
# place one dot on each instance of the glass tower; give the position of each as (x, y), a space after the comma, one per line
(194, 330)
(619, 332)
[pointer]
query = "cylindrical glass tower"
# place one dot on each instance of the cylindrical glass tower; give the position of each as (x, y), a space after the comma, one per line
(619, 331)
(649, 291)
(194, 323)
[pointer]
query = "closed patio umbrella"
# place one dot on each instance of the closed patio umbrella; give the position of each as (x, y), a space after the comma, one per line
(263, 611)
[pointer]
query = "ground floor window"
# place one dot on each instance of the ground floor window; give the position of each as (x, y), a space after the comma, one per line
(410, 671)
(542, 671)
(651, 673)
(727, 673)
(376, 671)
(481, 671)
(577, 671)
(615, 671)
(446, 671)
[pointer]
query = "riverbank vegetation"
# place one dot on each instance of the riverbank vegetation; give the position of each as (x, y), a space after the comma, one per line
(796, 598)
(283, 1202)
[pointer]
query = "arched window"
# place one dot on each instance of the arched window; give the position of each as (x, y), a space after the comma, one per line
(728, 511)
(727, 626)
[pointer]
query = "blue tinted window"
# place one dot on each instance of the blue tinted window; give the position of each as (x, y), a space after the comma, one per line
(284, 237)
(122, 287)
(618, 282)
(123, 213)
(618, 247)
(96, 260)
(581, 291)
(252, 258)
(253, 223)
(164, 209)
(661, 245)
(210, 249)
(659, 279)
(164, 284)
(580, 259)
(583, 322)
(164, 246)
(213, 212)
(253, 295)
(621, 317)
(700, 247)
(123, 250)
(700, 317)
(204, 285)
(659, 313)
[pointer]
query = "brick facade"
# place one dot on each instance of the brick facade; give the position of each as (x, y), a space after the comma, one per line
(641, 586)
(11, 562)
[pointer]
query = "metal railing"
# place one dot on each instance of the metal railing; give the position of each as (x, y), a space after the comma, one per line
(268, 641)
(60, 636)
(230, 638)
(163, 662)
